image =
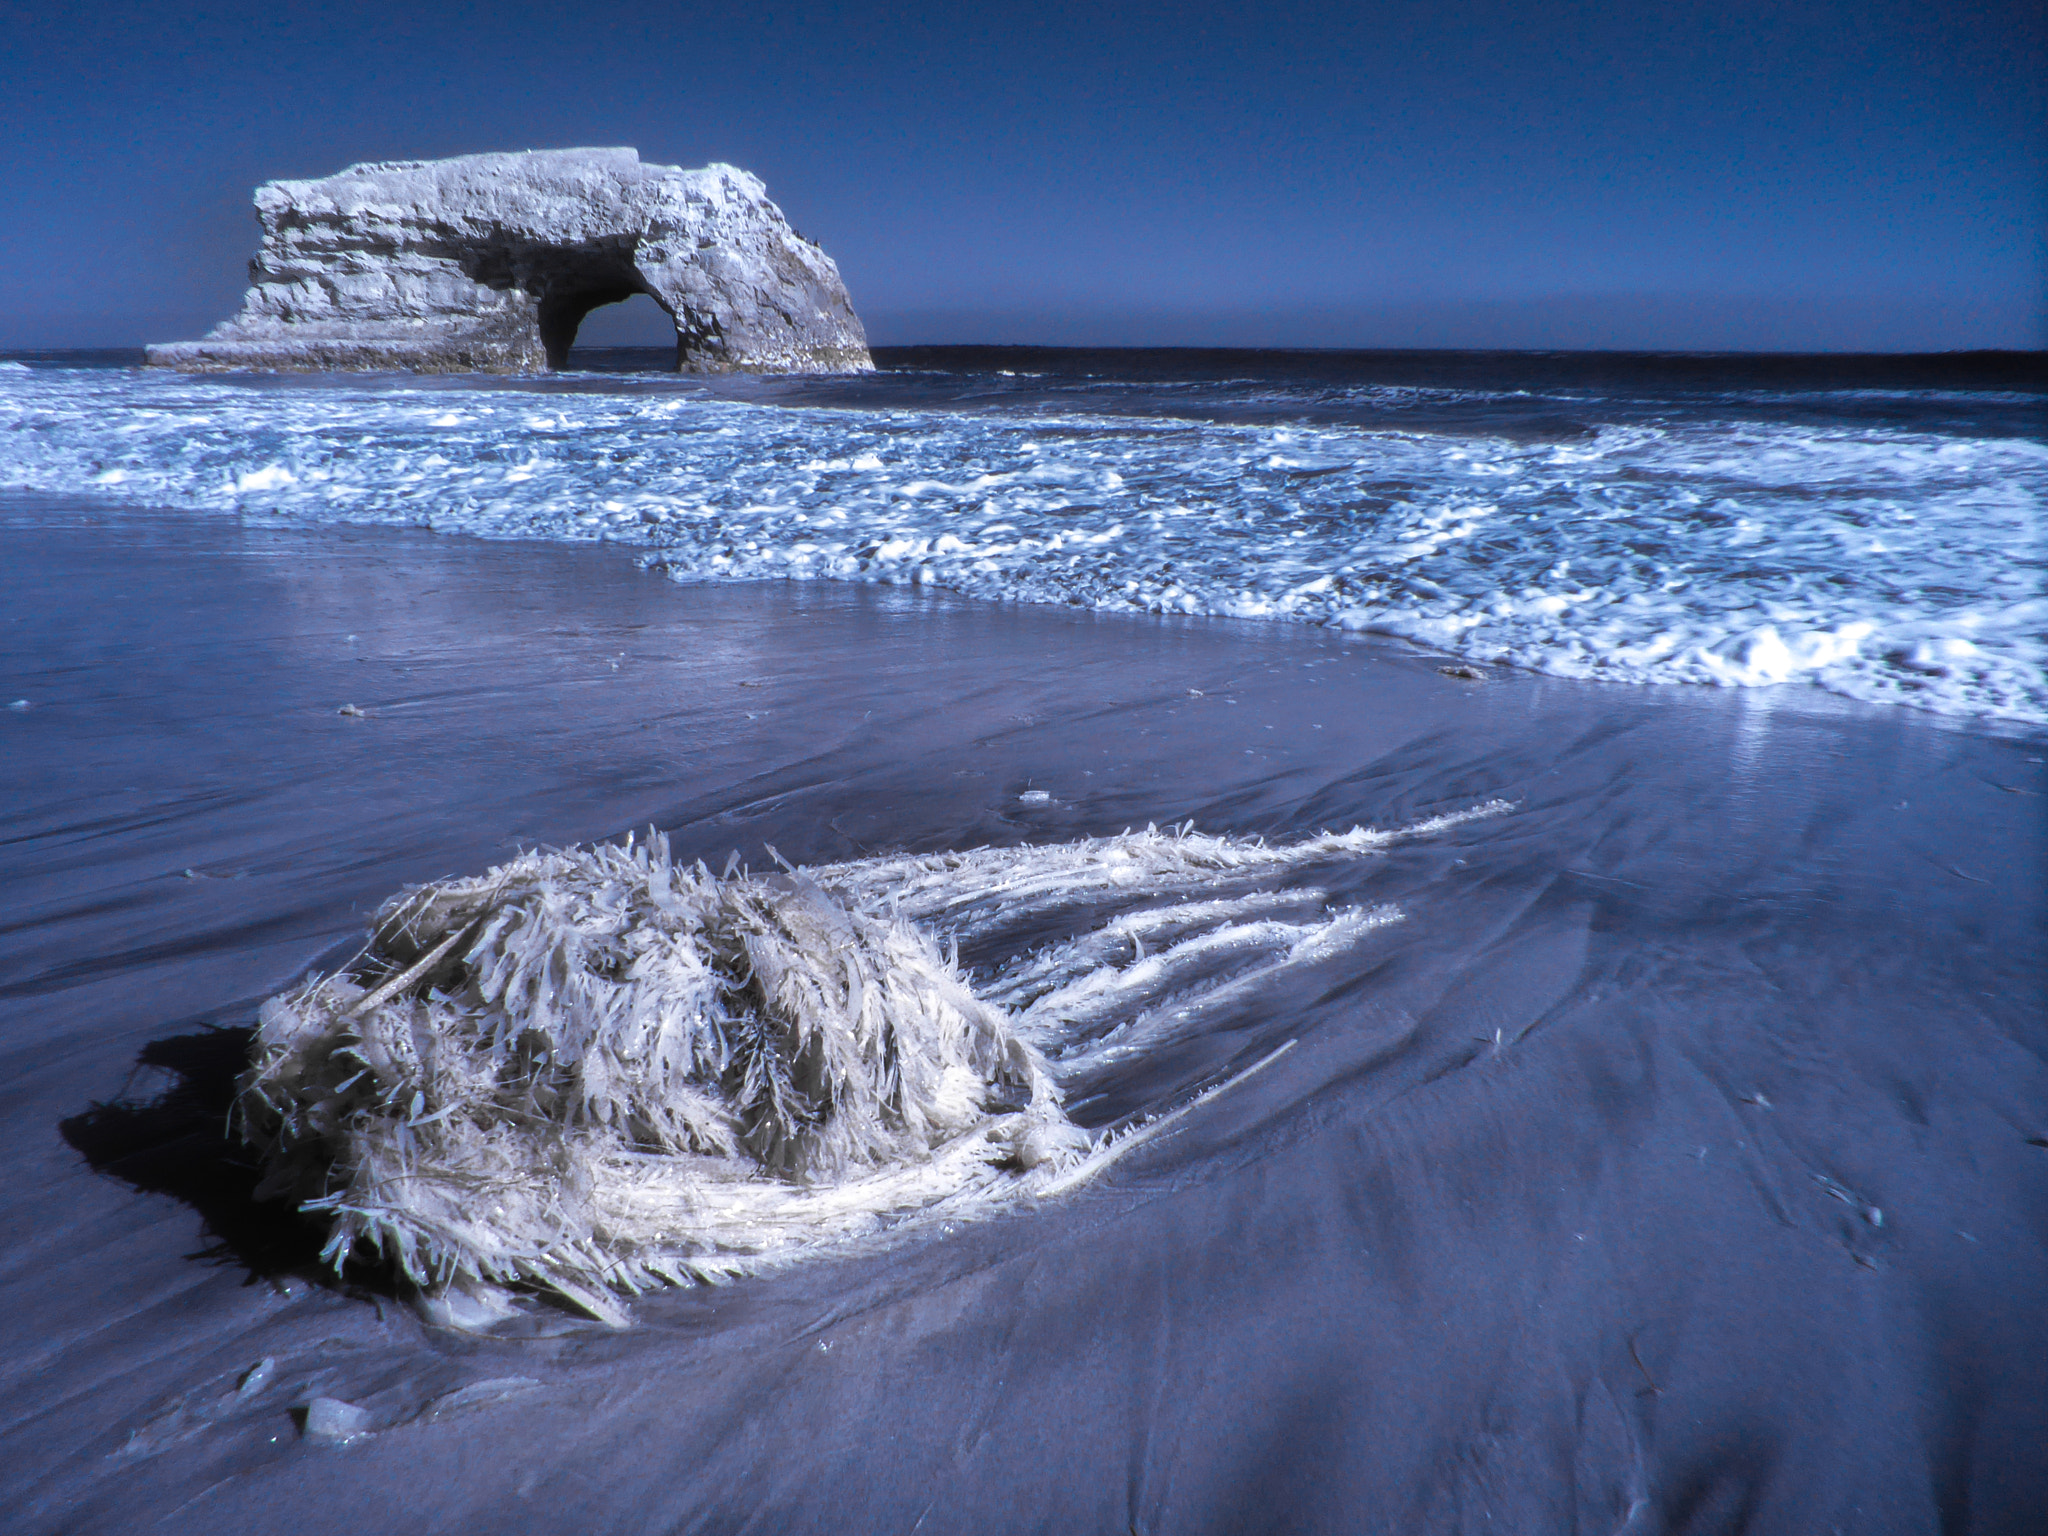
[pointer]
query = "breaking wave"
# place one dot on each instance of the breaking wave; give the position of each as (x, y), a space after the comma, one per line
(1716, 544)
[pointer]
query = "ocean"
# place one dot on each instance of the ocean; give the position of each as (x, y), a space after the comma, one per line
(1872, 526)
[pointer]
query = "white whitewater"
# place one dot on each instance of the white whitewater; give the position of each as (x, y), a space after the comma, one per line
(1874, 560)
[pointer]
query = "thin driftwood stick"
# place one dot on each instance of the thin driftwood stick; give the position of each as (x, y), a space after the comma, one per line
(392, 986)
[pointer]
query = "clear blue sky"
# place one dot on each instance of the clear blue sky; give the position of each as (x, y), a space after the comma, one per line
(1812, 174)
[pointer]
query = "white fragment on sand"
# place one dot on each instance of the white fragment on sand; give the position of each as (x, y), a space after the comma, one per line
(466, 1307)
(478, 1394)
(334, 1421)
(597, 1071)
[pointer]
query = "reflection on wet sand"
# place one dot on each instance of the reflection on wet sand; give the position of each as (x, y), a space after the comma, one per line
(1694, 1104)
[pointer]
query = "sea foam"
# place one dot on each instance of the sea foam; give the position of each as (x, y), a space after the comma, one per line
(1872, 559)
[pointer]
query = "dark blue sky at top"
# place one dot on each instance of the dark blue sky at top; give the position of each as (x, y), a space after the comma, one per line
(1831, 174)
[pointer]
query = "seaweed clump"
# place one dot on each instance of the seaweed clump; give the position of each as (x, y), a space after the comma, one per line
(597, 1070)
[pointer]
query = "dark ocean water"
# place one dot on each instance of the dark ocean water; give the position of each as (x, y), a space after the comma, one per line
(1519, 394)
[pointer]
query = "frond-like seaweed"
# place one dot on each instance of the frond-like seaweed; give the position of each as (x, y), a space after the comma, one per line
(593, 1071)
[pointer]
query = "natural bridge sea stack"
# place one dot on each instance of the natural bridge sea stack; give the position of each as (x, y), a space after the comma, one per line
(488, 263)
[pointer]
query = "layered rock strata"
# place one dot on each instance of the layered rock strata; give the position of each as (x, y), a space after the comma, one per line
(488, 263)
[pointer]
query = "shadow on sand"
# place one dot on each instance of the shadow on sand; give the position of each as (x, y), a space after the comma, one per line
(178, 1141)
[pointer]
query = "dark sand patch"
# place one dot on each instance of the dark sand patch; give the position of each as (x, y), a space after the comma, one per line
(1680, 1154)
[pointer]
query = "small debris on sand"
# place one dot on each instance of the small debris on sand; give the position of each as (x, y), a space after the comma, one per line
(334, 1421)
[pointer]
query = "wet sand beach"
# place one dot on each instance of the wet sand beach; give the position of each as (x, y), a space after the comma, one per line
(1678, 1163)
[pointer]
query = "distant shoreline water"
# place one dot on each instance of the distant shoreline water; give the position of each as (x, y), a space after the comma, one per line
(1963, 367)
(1870, 524)
(1974, 369)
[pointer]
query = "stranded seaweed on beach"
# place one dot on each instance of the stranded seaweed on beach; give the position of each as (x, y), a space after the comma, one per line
(596, 1071)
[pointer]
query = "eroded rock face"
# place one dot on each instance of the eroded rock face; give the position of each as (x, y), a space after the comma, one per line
(488, 263)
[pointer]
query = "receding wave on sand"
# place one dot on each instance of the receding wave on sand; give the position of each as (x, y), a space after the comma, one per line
(1642, 542)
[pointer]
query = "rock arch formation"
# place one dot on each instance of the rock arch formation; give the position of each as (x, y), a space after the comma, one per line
(488, 263)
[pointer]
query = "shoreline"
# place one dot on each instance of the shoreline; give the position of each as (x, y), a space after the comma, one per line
(1566, 1190)
(1872, 541)
(30, 509)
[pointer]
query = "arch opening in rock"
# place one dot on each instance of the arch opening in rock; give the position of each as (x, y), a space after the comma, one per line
(562, 313)
(637, 333)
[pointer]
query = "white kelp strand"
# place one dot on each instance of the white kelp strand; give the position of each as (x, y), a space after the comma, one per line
(984, 889)
(1130, 938)
(1083, 1008)
(590, 1071)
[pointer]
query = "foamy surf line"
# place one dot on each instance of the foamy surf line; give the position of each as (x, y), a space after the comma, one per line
(1879, 563)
